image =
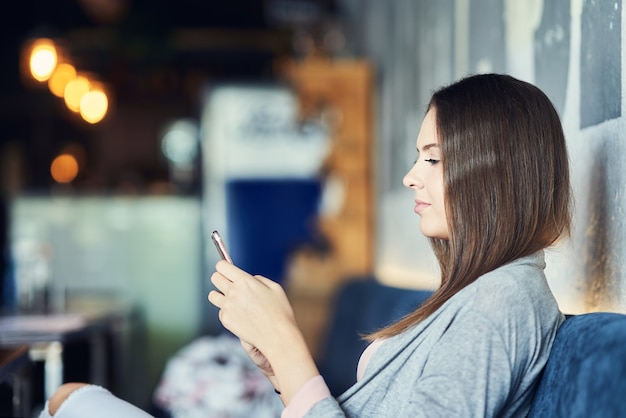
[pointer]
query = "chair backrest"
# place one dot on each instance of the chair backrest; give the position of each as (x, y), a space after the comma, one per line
(361, 305)
(586, 373)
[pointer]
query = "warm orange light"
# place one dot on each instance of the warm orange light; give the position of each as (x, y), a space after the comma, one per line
(62, 75)
(64, 168)
(94, 105)
(74, 92)
(43, 59)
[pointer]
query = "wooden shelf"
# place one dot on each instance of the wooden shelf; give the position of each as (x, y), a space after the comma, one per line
(341, 92)
(343, 88)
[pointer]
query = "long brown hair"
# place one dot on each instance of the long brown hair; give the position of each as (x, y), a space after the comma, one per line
(506, 180)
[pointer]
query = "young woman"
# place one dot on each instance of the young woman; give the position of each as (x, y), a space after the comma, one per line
(491, 186)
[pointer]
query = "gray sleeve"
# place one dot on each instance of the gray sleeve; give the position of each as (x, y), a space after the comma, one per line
(327, 408)
(468, 372)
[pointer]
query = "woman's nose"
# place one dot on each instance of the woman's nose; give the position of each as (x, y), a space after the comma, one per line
(406, 181)
(412, 179)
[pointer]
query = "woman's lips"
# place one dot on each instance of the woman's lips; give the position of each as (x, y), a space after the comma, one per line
(420, 206)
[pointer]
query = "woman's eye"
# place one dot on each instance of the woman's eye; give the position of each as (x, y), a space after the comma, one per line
(432, 161)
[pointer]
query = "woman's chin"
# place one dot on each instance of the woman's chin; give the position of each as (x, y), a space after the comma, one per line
(430, 231)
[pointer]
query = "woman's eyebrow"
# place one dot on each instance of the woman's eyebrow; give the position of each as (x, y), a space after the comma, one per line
(429, 146)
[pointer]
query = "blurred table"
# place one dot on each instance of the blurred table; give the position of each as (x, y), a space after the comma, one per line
(86, 320)
(14, 363)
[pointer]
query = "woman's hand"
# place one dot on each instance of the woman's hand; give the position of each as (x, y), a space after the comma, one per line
(261, 362)
(257, 310)
(254, 308)
(258, 359)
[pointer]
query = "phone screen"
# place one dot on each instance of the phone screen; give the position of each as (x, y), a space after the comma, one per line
(221, 247)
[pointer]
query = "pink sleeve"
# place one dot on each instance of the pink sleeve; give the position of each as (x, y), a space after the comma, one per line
(308, 395)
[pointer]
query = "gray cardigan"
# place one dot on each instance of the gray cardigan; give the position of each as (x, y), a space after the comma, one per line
(479, 355)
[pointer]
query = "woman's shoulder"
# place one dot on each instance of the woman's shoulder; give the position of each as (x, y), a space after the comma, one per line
(522, 274)
(517, 288)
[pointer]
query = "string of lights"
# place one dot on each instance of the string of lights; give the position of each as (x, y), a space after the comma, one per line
(83, 93)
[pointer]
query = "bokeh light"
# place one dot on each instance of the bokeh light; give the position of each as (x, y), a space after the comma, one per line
(47, 60)
(180, 142)
(43, 59)
(94, 105)
(62, 75)
(64, 168)
(74, 92)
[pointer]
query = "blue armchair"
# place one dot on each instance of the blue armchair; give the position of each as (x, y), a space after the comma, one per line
(586, 373)
(361, 305)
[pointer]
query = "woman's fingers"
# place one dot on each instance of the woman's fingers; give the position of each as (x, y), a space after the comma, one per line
(216, 298)
(220, 282)
(225, 285)
(230, 270)
(248, 304)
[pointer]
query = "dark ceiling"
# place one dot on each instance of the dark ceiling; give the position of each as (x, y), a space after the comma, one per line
(121, 40)
(148, 53)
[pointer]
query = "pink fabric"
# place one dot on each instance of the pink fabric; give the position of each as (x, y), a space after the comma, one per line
(365, 358)
(316, 389)
(309, 394)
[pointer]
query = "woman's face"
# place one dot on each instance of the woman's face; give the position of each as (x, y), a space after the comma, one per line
(426, 180)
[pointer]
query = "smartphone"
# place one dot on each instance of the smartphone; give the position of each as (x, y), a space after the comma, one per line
(221, 247)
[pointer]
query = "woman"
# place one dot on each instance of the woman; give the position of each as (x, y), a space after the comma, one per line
(491, 187)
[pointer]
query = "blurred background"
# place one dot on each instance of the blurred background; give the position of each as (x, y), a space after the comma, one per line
(131, 129)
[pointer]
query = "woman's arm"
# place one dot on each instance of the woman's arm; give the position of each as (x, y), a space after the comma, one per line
(257, 310)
